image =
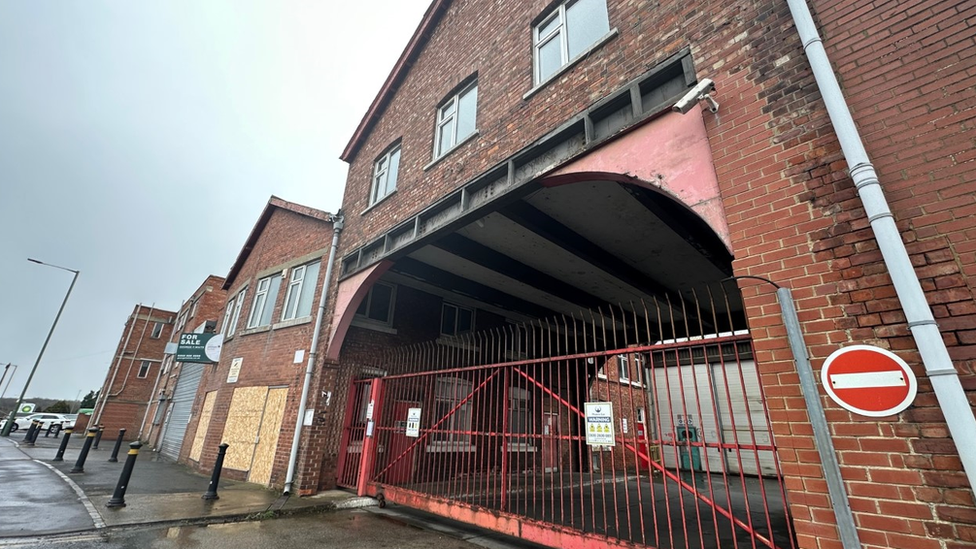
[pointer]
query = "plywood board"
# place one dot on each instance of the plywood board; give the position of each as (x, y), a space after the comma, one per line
(264, 454)
(241, 428)
(203, 424)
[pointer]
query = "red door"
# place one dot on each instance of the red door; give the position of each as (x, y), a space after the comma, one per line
(401, 470)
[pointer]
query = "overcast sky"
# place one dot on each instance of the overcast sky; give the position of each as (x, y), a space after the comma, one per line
(139, 142)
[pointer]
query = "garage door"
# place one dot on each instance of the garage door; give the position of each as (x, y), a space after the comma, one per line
(179, 412)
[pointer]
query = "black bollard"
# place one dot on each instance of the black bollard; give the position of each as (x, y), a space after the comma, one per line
(98, 437)
(54, 428)
(36, 433)
(118, 444)
(30, 431)
(80, 464)
(118, 498)
(215, 477)
(64, 445)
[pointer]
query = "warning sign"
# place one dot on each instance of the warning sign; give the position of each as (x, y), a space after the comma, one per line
(413, 422)
(599, 423)
(869, 380)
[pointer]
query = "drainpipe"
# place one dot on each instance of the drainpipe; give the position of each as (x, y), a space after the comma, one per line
(337, 223)
(935, 357)
(102, 397)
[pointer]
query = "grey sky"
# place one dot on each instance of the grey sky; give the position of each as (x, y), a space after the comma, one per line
(139, 141)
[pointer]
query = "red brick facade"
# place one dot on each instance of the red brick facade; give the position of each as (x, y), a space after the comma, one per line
(793, 214)
(128, 386)
(206, 304)
(270, 356)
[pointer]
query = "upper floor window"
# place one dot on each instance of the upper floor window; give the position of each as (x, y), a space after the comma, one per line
(301, 287)
(264, 301)
(378, 304)
(157, 330)
(456, 119)
(456, 320)
(181, 321)
(385, 172)
(233, 313)
(144, 368)
(566, 33)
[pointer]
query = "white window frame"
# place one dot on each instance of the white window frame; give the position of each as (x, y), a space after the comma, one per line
(458, 309)
(382, 186)
(289, 311)
(234, 308)
(261, 301)
(447, 120)
(144, 369)
(623, 369)
(558, 32)
(157, 331)
(181, 321)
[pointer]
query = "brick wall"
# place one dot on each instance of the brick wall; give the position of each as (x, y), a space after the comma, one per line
(268, 354)
(791, 207)
(205, 303)
(124, 395)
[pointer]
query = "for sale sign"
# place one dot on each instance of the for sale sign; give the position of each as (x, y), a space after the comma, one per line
(868, 380)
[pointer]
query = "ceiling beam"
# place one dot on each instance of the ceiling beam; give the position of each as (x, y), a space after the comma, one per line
(457, 284)
(693, 229)
(498, 262)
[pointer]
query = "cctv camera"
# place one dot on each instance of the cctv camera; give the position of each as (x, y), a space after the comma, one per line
(698, 93)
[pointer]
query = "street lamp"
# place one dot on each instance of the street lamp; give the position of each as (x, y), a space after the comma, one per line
(10, 420)
(11, 378)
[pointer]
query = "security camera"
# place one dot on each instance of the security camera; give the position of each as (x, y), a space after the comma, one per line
(698, 93)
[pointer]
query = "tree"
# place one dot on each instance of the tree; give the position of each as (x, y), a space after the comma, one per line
(89, 400)
(59, 407)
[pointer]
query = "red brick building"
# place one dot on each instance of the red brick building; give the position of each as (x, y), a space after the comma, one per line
(165, 424)
(250, 399)
(128, 387)
(523, 201)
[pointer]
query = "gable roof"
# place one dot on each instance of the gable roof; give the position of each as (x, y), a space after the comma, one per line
(274, 203)
(417, 42)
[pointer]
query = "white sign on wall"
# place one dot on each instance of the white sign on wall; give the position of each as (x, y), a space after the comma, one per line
(235, 370)
(413, 422)
(599, 423)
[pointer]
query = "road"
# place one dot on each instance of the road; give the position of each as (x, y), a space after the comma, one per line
(344, 530)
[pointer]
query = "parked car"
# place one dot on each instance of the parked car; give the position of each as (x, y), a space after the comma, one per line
(70, 421)
(45, 419)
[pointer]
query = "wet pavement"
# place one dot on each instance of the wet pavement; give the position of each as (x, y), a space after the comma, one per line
(348, 530)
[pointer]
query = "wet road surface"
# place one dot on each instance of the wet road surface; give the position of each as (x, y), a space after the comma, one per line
(344, 530)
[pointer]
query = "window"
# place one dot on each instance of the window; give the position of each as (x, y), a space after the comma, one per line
(456, 320)
(456, 119)
(264, 301)
(301, 286)
(385, 172)
(167, 363)
(519, 419)
(623, 368)
(181, 321)
(569, 31)
(453, 434)
(157, 330)
(233, 313)
(193, 308)
(378, 304)
(144, 368)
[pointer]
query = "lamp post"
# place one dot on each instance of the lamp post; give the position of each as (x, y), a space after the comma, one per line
(10, 420)
(12, 374)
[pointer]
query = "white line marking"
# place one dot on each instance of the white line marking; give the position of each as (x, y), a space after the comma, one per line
(864, 380)
(96, 518)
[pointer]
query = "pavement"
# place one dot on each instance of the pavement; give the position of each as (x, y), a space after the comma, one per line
(42, 497)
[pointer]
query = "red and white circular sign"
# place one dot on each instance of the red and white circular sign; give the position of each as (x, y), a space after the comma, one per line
(868, 380)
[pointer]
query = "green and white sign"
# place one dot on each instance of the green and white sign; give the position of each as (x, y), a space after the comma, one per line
(204, 348)
(26, 407)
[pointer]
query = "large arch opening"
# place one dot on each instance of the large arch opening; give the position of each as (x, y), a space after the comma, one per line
(481, 348)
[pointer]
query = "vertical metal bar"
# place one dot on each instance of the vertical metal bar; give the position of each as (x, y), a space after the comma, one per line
(505, 425)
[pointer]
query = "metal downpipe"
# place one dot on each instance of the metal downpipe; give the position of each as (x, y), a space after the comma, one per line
(935, 357)
(337, 223)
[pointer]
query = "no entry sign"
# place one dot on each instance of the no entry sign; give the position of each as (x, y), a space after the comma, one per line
(869, 380)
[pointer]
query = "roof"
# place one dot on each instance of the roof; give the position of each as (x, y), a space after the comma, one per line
(417, 42)
(274, 203)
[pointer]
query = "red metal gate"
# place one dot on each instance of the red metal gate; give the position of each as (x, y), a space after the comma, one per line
(505, 444)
